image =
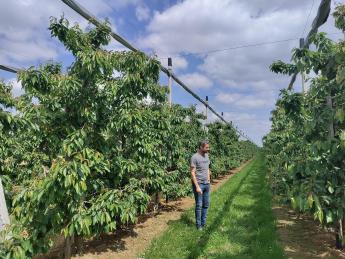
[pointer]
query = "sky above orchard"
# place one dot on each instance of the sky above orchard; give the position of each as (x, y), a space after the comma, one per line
(219, 48)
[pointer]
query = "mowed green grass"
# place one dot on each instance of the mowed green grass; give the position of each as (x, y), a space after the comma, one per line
(240, 223)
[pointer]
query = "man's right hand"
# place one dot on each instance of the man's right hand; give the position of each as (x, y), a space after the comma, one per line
(198, 190)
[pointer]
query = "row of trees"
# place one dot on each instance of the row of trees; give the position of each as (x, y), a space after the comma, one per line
(84, 149)
(306, 145)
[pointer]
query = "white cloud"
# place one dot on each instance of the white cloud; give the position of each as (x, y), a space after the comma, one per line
(253, 125)
(17, 89)
(245, 101)
(238, 117)
(196, 81)
(200, 108)
(179, 63)
(115, 46)
(198, 26)
(24, 35)
(28, 51)
(142, 13)
(118, 4)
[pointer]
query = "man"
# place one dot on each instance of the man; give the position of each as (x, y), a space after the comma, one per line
(200, 173)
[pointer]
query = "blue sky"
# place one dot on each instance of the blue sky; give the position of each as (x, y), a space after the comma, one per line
(238, 81)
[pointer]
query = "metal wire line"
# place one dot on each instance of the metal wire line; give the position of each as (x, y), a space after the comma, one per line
(237, 47)
(91, 18)
(306, 23)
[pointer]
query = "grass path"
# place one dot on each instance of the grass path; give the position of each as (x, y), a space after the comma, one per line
(240, 223)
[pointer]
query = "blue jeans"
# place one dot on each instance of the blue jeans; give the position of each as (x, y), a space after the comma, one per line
(202, 201)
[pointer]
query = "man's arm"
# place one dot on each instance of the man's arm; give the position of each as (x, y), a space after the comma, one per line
(192, 172)
(209, 175)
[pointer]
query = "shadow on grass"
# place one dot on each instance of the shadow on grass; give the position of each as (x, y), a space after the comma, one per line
(241, 224)
(248, 220)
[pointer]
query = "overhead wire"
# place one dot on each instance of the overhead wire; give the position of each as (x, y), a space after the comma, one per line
(231, 48)
(83, 12)
(236, 47)
(92, 19)
(306, 23)
(321, 17)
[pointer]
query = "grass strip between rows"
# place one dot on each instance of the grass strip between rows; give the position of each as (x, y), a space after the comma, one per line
(240, 223)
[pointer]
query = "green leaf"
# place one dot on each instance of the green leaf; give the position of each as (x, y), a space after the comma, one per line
(330, 189)
(27, 245)
(329, 217)
(310, 201)
(340, 115)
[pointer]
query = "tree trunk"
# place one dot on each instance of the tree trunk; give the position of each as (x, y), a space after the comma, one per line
(79, 244)
(68, 247)
(156, 201)
(339, 235)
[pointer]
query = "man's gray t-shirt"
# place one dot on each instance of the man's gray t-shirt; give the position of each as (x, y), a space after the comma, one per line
(201, 164)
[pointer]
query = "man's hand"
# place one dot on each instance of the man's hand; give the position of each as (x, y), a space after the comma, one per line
(198, 190)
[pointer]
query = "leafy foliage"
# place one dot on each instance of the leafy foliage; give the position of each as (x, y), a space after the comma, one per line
(86, 148)
(306, 160)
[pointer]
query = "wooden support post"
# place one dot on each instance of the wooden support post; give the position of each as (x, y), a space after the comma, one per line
(301, 45)
(170, 153)
(339, 233)
(206, 114)
(206, 107)
(170, 80)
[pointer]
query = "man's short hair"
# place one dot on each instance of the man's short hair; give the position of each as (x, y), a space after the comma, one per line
(203, 143)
